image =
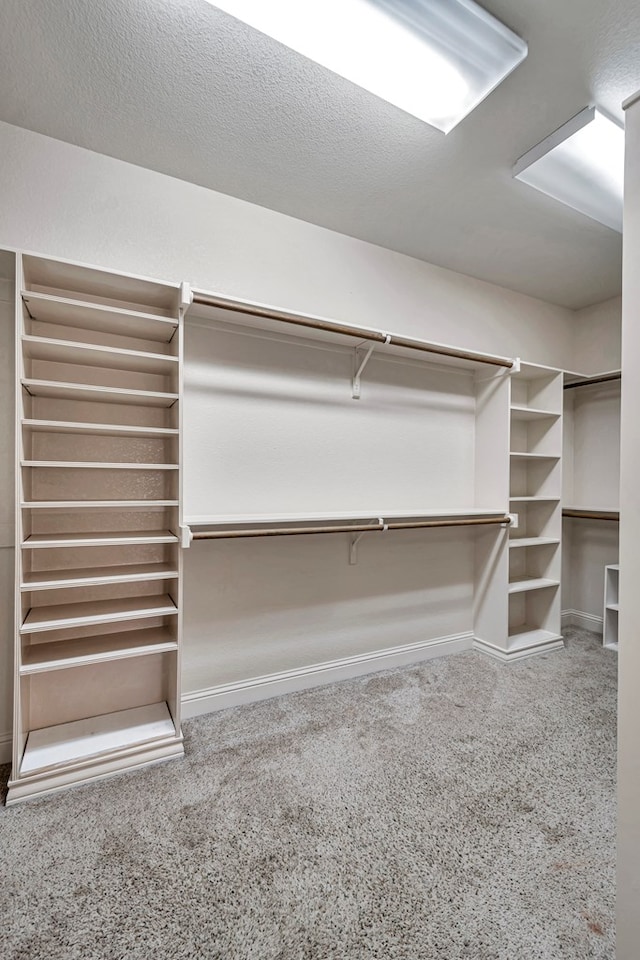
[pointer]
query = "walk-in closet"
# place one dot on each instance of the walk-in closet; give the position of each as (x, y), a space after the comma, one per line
(318, 507)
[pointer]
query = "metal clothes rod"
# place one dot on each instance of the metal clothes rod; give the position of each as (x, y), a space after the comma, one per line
(329, 326)
(345, 528)
(613, 515)
(603, 378)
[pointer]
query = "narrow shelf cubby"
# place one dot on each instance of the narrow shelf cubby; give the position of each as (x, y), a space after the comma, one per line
(611, 606)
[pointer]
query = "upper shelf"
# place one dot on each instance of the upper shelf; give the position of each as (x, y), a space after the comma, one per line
(92, 355)
(240, 519)
(85, 315)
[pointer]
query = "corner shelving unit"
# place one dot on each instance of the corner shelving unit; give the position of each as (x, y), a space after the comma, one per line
(611, 607)
(98, 483)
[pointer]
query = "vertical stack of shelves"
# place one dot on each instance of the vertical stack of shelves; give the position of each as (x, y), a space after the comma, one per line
(535, 497)
(98, 568)
(611, 606)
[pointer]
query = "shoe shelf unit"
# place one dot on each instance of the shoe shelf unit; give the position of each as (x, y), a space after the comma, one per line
(533, 569)
(98, 563)
(611, 606)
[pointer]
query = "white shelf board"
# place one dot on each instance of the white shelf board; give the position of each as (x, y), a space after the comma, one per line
(86, 315)
(526, 636)
(96, 576)
(613, 606)
(59, 390)
(532, 542)
(533, 456)
(611, 646)
(569, 506)
(102, 539)
(70, 742)
(97, 504)
(106, 429)
(63, 616)
(283, 518)
(522, 412)
(613, 566)
(525, 584)
(97, 465)
(63, 654)
(534, 499)
(92, 355)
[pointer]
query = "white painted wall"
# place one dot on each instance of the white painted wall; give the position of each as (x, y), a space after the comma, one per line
(301, 597)
(628, 897)
(598, 337)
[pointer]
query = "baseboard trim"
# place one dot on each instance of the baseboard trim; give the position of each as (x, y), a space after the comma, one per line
(6, 747)
(199, 702)
(577, 618)
(519, 653)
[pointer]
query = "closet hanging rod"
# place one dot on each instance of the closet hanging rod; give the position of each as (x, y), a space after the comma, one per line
(346, 528)
(587, 381)
(613, 515)
(360, 333)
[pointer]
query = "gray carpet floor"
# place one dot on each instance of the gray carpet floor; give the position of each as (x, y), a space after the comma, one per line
(460, 808)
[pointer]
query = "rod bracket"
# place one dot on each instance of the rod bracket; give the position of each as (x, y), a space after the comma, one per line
(353, 546)
(186, 536)
(516, 365)
(361, 358)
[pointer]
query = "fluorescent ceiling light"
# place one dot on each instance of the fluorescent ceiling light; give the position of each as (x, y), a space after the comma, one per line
(435, 59)
(582, 165)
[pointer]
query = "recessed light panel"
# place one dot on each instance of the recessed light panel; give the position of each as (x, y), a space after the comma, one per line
(435, 59)
(582, 165)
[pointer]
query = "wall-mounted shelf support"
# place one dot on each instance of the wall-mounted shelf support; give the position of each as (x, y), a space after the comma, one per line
(361, 358)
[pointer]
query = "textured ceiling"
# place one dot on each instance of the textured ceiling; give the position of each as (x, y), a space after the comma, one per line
(179, 87)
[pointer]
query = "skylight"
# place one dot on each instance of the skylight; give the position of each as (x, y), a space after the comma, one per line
(435, 59)
(582, 165)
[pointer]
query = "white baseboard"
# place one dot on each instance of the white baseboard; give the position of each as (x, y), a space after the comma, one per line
(5, 747)
(577, 618)
(199, 702)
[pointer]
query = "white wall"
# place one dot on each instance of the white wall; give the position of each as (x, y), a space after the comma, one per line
(306, 600)
(628, 897)
(598, 337)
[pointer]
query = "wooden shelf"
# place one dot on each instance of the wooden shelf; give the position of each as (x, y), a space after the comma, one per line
(105, 429)
(97, 736)
(93, 355)
(533, 456)
(534, 499)
(523, 584)
(96, 576)
(62, 654)
(526, 636)
(85, 315)
(58, 390)
(97, 504)
(532, 542)
(240, 519)
(86, 613)
(521, 412)
(96, 465)
(99, 539)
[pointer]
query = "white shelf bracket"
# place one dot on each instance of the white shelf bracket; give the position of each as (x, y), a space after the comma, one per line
(185, 536)
(353, 548)
(360, 360)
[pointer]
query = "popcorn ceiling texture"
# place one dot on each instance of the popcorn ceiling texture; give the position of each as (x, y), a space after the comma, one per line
(460, 808)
